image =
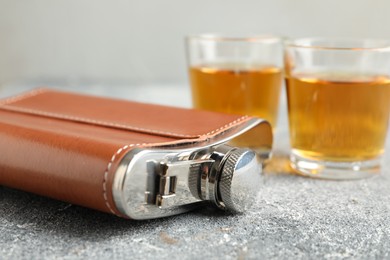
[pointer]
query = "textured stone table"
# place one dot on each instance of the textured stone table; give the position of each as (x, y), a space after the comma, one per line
(294, 217)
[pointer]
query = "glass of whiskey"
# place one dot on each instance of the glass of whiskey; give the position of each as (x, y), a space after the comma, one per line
(338, 94)
(236, 75)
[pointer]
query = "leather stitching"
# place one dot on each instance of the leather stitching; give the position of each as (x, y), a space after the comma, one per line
(6, 105)
(31, 93)
(107, 171)
(115, 125)
(226, 126)
(95, 122)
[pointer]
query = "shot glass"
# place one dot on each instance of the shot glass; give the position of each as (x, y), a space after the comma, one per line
(338, 93)
(236, 75)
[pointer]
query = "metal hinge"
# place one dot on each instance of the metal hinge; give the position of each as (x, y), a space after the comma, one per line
(176, 183)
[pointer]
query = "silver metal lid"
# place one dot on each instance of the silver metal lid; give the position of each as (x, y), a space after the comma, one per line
(239, 180)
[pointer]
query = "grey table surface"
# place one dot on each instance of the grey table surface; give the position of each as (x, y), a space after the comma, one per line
(293, 217)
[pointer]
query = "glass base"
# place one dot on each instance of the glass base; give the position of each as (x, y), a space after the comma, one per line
(335, 170)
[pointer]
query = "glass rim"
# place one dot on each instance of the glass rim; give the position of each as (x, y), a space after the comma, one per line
(262, 38)
(305, 43)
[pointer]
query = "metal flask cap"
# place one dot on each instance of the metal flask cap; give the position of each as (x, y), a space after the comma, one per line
(239, 180)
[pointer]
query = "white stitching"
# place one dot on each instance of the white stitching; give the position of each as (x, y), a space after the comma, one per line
(23, 96)
(5, 103)
(97, 122)
(104, 123)
(226, 126)
(107, 171)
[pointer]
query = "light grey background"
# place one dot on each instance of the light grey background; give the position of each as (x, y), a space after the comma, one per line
(141, 42)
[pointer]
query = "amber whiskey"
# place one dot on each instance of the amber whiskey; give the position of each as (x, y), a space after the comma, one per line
(237, 89)
(338, 117)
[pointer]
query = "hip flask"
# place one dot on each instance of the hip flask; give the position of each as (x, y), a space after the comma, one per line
(134, 160)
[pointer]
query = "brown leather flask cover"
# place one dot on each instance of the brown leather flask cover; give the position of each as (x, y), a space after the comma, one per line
(68, 146)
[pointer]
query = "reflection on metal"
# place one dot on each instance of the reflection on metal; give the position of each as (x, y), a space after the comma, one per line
(152, 183)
